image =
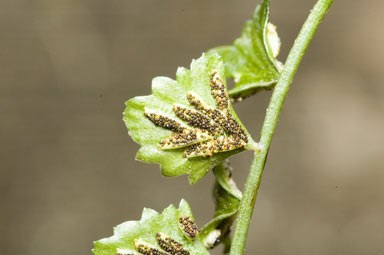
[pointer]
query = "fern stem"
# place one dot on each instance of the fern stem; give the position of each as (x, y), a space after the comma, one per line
(270, 121)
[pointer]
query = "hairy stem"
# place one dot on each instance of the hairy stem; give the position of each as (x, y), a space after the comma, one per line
(270, 121)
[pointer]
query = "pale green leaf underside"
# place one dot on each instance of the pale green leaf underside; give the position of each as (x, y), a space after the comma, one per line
(223, 176)
(250, 60)
(151, 223)
(227, 197)
(165, 93)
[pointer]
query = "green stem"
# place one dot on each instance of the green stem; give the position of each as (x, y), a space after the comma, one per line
(270, 121)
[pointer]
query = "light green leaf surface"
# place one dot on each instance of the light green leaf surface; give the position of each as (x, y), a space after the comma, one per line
(227, 197)
(251, 59)
(145, 230)
(165, 94)
(224, 177)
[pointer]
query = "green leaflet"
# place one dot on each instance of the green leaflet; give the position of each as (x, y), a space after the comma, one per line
(141, 113)
(145, 231)
(223, 176)
(251, 59)
(227, 197)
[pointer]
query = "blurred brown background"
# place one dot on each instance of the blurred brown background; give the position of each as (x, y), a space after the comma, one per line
(68, 173)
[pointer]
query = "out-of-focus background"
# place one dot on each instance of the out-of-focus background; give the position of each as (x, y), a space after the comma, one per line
(68, 174)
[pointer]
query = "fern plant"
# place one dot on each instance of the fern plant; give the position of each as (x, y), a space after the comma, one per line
(189, 127)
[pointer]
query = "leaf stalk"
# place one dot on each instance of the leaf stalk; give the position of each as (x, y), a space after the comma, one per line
(271, 118)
